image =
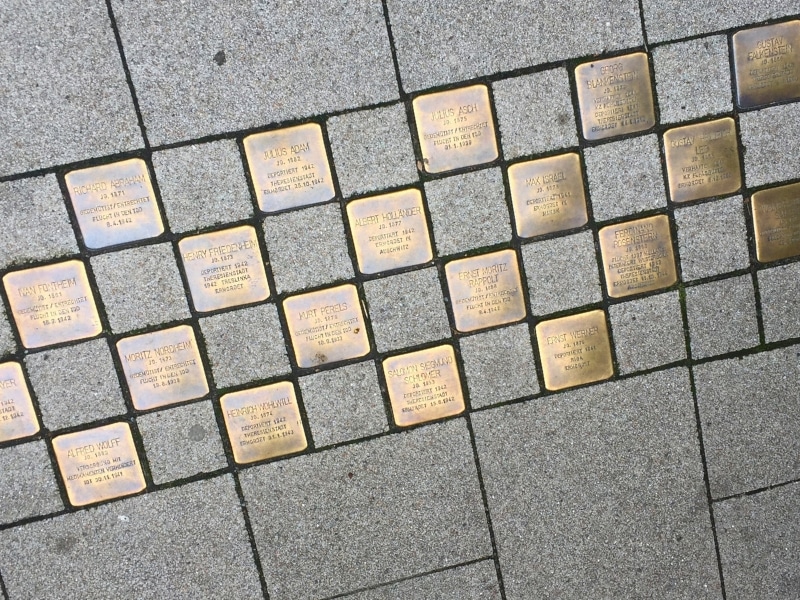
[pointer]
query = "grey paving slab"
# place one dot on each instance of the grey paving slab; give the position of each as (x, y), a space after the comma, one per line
(184, 542)
(367, 514)
(600, 489)
(764, 131)
(779, 288)
(7, 343)
(29, 485)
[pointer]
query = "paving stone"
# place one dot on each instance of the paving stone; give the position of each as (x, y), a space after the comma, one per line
(183, 542)
(367, 514)
(779, 288)
(7, 343)
(29, 485)
(771, 140)
(600, 489)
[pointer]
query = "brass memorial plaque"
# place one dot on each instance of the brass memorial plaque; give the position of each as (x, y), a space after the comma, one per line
(574, 350)
(114, 203)
(637, 256)
(263, 422)
(615, 96)
(99, 464)
(547, 195)
(17, 417)
(767, 64)
(776, 220)
(289, 167)
(52, 304)
(424, 385)
(455, 128)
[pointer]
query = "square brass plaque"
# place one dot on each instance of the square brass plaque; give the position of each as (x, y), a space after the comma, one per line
(162, 367)
(455, 128)
(424, 385)
(776, 220)
(263, 422)
(574, 350)
(114, 203)
(289, 167)
(767, 64)
(99, 464)
(17, 417)
(547, 195)
(224, 268)
(52, 304)
(637, 256)
(615, 96)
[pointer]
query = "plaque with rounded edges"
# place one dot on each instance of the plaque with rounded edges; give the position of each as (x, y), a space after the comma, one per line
(776, 220)
(767, 64)
(17, 417)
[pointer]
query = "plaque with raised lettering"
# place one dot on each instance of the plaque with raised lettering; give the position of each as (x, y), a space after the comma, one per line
(52, 304)
(776, 220)
(114, 203)
(423, 385)
(17, 417)
(637, 256)
(455, 128)
(615, 96)
(767, 64)
(263, 422)
(289, 167)
(99, 464)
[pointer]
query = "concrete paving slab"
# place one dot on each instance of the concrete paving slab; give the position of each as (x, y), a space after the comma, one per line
(29, 485)
(763, 131)
(7, 343)
(779, 288)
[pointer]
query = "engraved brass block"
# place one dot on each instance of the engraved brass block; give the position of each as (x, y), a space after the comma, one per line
(17, 417)
(767, 64)
(615, 96)
(455, 128)
(776, 220)
(52, 304)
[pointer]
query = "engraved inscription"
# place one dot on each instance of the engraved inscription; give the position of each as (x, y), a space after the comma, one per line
(766, 64)
(17, 417)
(776, 220)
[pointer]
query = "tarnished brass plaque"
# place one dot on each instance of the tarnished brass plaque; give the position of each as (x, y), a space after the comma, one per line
(114, 203)
(326, 326)
(52, 304)
(162, 367)
(767, 64)
(455, 128)
(547, 195)
(776, 220)
(99, 464)
(574, 350)
(424, 385)
(289, 167)
(637, 256)
(263, 422)
(224, 268)
(615, 96)
(17, 417)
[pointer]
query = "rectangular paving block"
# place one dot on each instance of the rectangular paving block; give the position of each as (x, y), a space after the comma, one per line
(29, 486)
(779, 288)
(763, 131)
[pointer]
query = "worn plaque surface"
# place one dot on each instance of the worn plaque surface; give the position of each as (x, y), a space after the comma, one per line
(574, 350)
(99, 464)
(776, 220)
(767, 64)
(114, 203)
(263, 422)
(17, 417)
(289, 167)
(547, 195)
(637, 256)
(615, 96)
(423, 385)
(52, 304)
(455, 128)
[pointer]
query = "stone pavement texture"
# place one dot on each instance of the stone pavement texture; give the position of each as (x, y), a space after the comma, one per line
(676, 477)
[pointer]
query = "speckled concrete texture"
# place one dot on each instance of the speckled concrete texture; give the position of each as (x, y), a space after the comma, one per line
(779, 288)
(7, 343)
(29, 485)
(771, 139)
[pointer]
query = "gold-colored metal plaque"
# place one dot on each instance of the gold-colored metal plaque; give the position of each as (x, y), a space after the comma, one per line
(547, 195)
(289, 167)
(424, 385)
(776, 220)
(162, 367)
(99, 464)
(224, 268)
(263, 422)
(52, 304)
(455, 128)
(767, 64)
(574, 350)
(637, 256)
(615, 96)
(114, 203)
(17, 417)
(326, 326)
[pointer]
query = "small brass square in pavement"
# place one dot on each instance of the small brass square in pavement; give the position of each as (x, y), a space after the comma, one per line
(52, 304)
(263, 422)
(637, 256)
(423, 385)
(455, 128)
(99, 464)
(776, 220)
(289, 167)
(574, 350)
(114, 203)
(615, 96)
(389, 231)
(17, 417)
(767, 64)
(162, 367)
(547, 195)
